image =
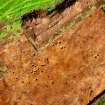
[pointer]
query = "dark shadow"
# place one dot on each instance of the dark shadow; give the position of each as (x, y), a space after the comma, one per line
(41, 13)
(34, 14)
(67, 3)
(96, 98)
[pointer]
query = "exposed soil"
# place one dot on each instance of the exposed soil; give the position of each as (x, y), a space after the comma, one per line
(70, 71)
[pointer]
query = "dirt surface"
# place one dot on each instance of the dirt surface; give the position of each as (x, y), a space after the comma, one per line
(70, 71)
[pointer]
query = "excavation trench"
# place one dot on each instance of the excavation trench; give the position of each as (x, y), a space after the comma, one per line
(40, 25)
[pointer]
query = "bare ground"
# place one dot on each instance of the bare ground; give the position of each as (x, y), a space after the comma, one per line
(70, 71)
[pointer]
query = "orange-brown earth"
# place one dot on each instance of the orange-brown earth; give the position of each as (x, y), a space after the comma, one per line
(70, 71)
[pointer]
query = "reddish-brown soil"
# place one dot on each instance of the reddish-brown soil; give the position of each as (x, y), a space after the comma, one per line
(70, 71)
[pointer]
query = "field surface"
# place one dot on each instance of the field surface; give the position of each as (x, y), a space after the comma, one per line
(58, 58)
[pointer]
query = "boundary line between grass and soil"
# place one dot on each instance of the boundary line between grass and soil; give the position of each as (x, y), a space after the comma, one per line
(77, 18)
(97, 99)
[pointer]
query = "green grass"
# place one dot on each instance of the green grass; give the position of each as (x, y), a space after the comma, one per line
(103, 7)
(11, 11)
(14, 9)
(100, 101)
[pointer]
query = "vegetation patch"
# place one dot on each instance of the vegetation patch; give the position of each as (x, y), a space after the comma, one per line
(11, 12)
(103, 7)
